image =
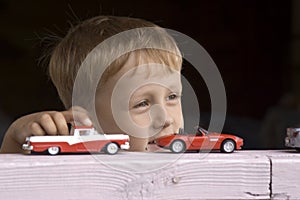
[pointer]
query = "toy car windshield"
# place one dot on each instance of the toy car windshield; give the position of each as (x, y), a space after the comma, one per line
(202, 130)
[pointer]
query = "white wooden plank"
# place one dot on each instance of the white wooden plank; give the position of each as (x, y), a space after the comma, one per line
(285, 174)
(128, 175)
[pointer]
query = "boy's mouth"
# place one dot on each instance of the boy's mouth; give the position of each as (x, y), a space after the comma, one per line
(152, 140)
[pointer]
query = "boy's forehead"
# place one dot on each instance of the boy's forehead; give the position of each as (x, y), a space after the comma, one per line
(143, 67)
(145, 74)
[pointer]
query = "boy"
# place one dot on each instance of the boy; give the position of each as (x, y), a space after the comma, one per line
(138, 92)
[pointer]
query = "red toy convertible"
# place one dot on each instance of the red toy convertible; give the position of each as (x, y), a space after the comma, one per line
(202, 140)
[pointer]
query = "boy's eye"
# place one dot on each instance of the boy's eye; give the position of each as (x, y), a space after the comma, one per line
(172, 97)
(141, 104)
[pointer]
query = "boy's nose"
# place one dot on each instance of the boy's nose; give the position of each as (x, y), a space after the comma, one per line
(160, 117)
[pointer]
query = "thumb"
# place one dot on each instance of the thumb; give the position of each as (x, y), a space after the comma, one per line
(77, 116)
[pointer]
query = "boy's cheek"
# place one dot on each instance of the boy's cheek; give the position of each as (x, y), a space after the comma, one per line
(142, 120)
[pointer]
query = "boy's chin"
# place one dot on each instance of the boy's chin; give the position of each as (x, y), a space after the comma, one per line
(152, 147)
(138, 144)
(146, 144)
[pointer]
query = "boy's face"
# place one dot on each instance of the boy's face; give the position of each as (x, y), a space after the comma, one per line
(143, 102)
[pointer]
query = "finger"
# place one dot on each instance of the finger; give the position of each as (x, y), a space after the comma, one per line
(48, 124)
(61, 123)
(32, 129)
(36, 129)
(77, 116)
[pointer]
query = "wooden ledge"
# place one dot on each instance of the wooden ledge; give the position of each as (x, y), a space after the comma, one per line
(129, 175)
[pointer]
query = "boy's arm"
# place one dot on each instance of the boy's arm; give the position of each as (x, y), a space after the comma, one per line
(10, 144)
(41, 123)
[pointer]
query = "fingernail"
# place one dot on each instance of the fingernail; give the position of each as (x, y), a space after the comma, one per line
(87, 122)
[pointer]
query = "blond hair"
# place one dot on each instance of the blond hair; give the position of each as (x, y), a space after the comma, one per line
(81, 40)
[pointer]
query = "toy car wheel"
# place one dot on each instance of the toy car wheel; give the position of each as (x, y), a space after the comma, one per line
(111, 148)
(178, 146)
(228, 146)
(53, 150)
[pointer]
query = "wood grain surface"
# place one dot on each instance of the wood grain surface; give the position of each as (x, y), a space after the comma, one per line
(130, 175)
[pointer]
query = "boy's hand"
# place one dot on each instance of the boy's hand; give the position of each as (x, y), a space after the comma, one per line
(42, 123)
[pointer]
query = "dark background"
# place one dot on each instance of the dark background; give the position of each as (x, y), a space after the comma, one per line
(253, 43)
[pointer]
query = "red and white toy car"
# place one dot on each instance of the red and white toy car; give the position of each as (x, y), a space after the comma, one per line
(202, 140)
(83, 139)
